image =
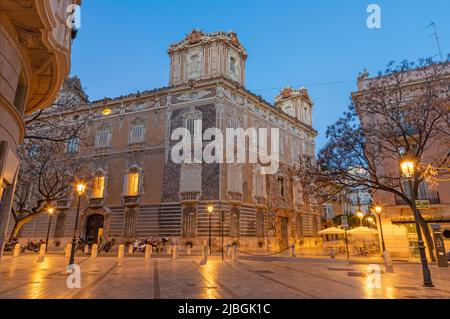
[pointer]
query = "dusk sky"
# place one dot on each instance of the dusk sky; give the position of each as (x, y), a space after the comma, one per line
(122, 46)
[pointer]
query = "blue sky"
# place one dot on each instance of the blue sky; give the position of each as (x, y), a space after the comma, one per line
(122, 45)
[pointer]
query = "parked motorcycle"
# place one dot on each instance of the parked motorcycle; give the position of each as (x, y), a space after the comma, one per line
(106, 245)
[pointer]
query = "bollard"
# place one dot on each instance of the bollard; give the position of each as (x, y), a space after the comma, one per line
(130, 249)
(94, 251)
(169, 249)
(121, 252)
(205, 251)
(148, 251)
(228, 249)
(41, 253)
(86, 249)
(68, 250)
(332, 253)
(189, 250)
(234, 252)
(388, 261)
(174, 252)
(293, 250)
(16, 250)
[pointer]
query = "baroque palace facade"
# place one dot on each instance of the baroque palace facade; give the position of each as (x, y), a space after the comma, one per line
(137, 191)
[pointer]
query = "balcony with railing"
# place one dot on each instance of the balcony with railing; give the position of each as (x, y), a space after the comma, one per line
(189, 197)
(131, 201)
(62, 204)
(235, 197)
(433, 198)
(96, 202)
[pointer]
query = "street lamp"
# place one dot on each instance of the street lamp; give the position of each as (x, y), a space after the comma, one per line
(370, 220)
(210, 211)
(408, 168)
(81, 188)
(360, 214)
(50, 211)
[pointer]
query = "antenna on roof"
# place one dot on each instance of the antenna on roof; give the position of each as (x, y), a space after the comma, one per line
(435, 35)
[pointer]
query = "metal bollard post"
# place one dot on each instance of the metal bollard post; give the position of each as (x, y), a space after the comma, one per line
(148, 251)
(293, 250)
(205, 251)
(130, 249)
(68, 250)
(174, 252)
(169, 249)
(94, 251)
(16, 250)
(121, 252)
(41, 253)
(189, 250)
(86, 249)
(234, 252)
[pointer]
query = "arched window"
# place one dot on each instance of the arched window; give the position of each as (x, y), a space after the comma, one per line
(103, 138)
(132, 182)
(232, 65)
(73, 145)
(98, 186)
(60, 224)
(189, 227)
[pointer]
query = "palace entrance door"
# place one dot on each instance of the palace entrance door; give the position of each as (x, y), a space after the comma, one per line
(94, 227)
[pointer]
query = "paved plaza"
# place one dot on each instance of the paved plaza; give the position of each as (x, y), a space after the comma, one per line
(248, 277)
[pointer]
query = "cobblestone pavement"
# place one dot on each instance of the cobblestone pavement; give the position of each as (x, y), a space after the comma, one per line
(249, 277)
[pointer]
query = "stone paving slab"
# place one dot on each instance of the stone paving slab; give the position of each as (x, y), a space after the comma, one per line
(184, 278)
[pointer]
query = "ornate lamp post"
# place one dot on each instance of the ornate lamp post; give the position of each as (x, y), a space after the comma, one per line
(80, 188)
(408, 168)
(210, 211)
(50, 210)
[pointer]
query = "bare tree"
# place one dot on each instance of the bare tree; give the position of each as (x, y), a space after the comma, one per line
(404, 112)
(50, 156)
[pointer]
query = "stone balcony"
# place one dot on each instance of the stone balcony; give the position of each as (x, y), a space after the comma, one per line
(260, 201)
(96, 202)
(189, 197)
(131, 201)
(234, 197)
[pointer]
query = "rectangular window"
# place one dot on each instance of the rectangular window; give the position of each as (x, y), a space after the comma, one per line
(98, 188)
(73, 145)
(136, 134)
(103, 139)
(132, 184)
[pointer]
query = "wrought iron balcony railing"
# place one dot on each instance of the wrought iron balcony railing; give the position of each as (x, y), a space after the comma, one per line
(432, 198)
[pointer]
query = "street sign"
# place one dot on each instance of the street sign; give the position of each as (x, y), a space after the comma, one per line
(422, 204)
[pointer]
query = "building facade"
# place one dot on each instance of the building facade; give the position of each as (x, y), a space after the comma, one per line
(397, 219)
(35, 47)
(137, 190)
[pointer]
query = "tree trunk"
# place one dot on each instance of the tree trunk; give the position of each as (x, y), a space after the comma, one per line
(21, 222)
(428, 238)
